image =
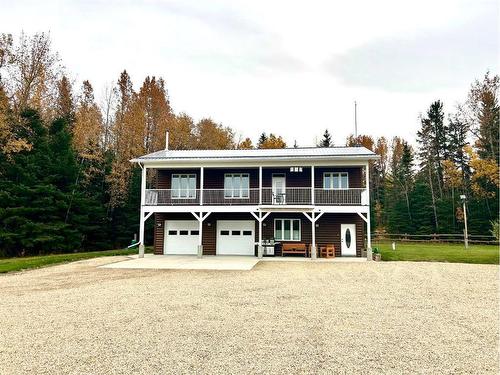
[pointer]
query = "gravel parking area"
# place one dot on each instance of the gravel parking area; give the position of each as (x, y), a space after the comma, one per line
(278, 318)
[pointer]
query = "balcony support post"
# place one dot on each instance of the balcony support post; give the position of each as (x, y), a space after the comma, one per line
(142, 219)
(260, 184)
(260, 218)
(202, 176)
(313, 218)
(200, 217)
(312, 184)
(368, 226)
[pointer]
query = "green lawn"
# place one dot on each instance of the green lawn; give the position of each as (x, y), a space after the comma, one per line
(436, 252)
(18, 264)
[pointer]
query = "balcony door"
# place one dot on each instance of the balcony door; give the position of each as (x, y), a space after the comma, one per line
(279, 189)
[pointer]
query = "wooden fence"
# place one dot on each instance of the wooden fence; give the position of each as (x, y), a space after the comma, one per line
(434, 237)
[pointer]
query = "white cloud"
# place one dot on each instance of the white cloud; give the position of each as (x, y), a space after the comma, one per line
(260, 66)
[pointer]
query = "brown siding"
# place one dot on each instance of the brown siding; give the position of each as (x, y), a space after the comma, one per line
(328, 230)
(164, 179)
(214, 177)
(209, 228)
(293, 179)
(355, 175)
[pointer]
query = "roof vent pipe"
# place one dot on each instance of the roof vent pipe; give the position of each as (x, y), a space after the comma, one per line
(166, 141)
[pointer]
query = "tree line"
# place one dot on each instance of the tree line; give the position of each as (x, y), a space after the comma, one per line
(66, 183)
(417, 190)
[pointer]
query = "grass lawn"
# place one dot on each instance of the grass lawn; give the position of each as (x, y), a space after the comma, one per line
(436, 252)
(18, 264)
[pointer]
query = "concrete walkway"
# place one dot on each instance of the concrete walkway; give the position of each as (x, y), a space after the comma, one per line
(212, 262)
(187, 262)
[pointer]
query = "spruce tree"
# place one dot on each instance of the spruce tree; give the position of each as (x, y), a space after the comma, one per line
(326, 141)
(262, 140)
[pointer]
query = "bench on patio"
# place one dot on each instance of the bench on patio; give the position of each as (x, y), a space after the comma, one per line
(294, 248)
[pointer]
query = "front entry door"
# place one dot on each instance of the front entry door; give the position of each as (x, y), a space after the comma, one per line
(279, 189)
(348, 239)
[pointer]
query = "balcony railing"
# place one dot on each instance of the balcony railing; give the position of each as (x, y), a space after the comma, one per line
(270, 196)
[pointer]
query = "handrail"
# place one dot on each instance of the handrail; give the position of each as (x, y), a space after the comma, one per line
(255, 196)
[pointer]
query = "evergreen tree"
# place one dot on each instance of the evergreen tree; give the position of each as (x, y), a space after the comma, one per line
(262, 140)
(326, 141)
(485, 115)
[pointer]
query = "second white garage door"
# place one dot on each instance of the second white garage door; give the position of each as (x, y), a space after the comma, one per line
(181, 237)
(235, 237)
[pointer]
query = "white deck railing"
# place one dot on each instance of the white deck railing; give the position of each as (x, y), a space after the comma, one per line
(290, 196)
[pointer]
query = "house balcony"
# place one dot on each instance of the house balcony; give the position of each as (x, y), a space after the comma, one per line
(296, 196)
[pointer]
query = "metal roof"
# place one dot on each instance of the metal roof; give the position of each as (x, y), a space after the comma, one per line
(279, 153)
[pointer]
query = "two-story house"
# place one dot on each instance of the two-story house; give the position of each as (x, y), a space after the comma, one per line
(231, 202)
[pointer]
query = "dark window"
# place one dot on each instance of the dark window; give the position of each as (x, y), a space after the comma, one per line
(195, 232)
(236, 232)
(224, 233)
(183, 232)
(172, 232)
(247, 232)
(348, 237)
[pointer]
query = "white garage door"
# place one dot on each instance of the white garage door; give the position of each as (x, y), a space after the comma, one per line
(235, 237)
(181, 237)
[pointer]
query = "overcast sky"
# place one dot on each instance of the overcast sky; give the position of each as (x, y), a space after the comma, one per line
(292, 68)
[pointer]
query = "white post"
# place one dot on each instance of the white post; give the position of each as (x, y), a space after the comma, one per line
(312, 184)
(200, 236)
(202, 176)
(166, 140)
(367, 183)
(141, 222)
(368, 231)
(313, 245)
(368, 222)
(466, 236)
(260, 249)
(260, 185)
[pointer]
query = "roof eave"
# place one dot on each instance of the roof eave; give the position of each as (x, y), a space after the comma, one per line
(181, 160)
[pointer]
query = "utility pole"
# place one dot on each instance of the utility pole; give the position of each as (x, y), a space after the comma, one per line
(466, 236)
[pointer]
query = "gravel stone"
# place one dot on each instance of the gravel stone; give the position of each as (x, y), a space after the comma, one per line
(280, 317)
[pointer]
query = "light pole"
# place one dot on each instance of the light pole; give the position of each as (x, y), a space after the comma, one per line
(466, 237)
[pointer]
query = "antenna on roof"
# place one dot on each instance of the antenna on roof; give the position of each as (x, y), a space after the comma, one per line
(166, 141)
(355, 120)
(356, 140)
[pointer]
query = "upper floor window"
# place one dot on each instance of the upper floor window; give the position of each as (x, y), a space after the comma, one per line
(236, 185)
(184, 186)
(335, 180)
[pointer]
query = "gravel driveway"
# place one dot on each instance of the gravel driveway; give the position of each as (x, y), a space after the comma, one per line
(278, 318)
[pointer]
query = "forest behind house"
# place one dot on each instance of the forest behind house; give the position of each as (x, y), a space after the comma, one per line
(66, 183)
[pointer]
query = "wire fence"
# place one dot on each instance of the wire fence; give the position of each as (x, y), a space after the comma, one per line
(435, 237)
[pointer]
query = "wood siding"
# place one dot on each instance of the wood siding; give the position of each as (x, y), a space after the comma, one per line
(214, 177)
(328, 230)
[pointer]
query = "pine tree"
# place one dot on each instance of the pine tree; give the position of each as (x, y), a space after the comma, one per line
(485, 115)
(262, 140)
(326, 141)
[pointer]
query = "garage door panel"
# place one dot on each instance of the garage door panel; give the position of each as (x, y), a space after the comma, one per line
(235, 237)
(181, 237)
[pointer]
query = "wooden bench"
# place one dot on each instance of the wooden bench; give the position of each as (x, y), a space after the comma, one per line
(294, 248)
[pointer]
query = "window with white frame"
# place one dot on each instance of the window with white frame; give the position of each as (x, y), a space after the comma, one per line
(287, 229)
(236, 185)
(336, 180)
(184, 186)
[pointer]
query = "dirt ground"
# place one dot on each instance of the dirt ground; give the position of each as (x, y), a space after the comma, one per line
(390, 317)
